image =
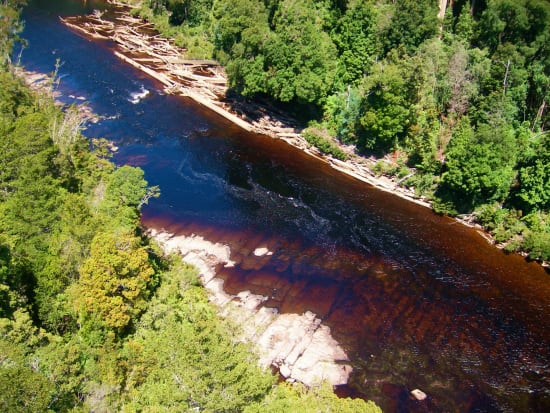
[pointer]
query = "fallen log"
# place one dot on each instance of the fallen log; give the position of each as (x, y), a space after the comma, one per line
(80, 29)
(158, 76)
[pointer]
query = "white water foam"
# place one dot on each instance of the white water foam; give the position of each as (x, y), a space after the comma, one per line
(136, 97)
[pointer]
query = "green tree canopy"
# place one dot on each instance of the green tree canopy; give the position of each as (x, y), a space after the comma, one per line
(113, 284)
(480, 164)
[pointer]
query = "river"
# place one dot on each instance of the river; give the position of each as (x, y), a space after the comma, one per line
(416, 300)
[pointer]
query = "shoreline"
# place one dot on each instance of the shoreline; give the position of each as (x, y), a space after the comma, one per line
(176, 82)
(166, 64)
(298, 346)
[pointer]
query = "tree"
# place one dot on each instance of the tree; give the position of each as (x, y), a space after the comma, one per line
(534, 177)
(23, 388)
(504, 21)
(127, 187)
(234, 22)
(240, 34)
(296, 398)
(413, 22)
(301, 58)
(10, 27)
(112, 289)
(461, 83)
(191, 12)
(183, 358)
(479, 164)
(356, 39)
(386, 111)
(125, 193)
(465, 25)
(341, 115)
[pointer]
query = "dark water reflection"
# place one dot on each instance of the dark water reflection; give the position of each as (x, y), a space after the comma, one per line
(416, 299)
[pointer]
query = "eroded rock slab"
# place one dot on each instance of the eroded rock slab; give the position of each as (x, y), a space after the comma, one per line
(300, 346)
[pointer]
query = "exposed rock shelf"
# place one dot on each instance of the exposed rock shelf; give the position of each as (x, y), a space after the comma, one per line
(298, 345)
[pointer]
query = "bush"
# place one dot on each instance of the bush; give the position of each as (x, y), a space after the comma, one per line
(315, 137)
(423, 184)
(538, 245)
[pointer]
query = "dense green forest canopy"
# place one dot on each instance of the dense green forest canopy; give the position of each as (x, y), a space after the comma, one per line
(92, 316)
(458, 98)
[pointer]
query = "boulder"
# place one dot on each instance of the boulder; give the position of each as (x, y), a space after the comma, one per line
(419, 394)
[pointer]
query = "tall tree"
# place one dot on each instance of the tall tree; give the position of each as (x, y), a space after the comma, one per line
(413, 22)
(112, 288)
(356, 38)
(386, 111)
(479, 164)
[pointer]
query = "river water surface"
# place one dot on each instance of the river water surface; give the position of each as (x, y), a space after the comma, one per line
(417, 300)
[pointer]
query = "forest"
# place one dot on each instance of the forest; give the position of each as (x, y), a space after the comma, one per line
(93, 317)
(450, 97)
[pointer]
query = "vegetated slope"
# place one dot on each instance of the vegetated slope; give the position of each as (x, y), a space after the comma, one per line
(92, 317)
(455, 107)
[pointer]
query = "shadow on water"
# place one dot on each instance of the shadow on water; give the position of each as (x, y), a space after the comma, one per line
(417, 300)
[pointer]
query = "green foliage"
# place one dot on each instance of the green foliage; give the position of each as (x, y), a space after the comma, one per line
(479, 166)
(296, 398)
(355, 37)
(386, 107)
(318, 138)
(341, 114)
(192, 13)
(537, 236)
(534, 177)
(413, 22)
(424, 184)
(464, 25)
(207, 369)
(503, 223)
(238, 39)
(15, 99)
(127, 187)
(300, 58)
(121, 194)
(395, 169)
(538, 245)
(10, 27)
(23, 388)
(112, 289)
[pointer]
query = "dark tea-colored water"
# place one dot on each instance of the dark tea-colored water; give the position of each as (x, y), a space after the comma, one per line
(417, 300)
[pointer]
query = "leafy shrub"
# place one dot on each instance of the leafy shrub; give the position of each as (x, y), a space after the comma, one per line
(423, 184)
(315, 137)
(538, 245)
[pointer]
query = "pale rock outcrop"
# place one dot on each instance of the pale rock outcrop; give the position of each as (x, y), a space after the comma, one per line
(299, 345)
(419, 394)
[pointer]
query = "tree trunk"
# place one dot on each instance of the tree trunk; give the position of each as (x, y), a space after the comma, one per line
(442, 9)
(540, 112)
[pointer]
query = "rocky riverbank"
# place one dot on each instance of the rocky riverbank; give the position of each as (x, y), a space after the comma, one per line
(46, 85)
(138, 44)
(299, 346)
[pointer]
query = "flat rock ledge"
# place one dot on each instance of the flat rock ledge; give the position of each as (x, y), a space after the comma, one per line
(298, 345)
